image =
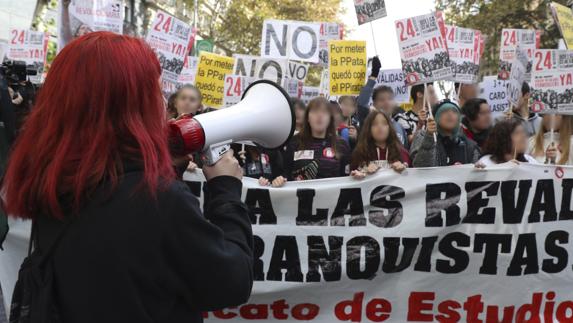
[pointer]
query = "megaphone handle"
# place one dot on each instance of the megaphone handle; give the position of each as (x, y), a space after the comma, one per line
(213, 153)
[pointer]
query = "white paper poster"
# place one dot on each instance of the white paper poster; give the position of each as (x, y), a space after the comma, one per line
(396, 80)
(494, 91)
(189, 71)
(31, 47)
(369, 10)
(552, 81)
(512, 39)
(464, 50)
(293, 40)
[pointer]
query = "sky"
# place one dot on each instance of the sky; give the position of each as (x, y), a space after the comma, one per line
(384, 31)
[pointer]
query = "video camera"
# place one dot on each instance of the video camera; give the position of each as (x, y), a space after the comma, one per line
(15, 72)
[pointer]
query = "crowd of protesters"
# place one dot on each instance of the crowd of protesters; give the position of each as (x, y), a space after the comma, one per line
(357, 136)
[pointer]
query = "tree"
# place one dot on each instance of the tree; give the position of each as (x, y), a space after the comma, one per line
(491, 16)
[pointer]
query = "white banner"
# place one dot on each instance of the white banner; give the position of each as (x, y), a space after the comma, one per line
(494, 91)
(170, 38)
(464, 50)
(450, 244)
(369, 10)
(294, 40)
(423, 49)
(511, 40)
(31, 47)
(552, 81)
(397, 81)
(79, 17)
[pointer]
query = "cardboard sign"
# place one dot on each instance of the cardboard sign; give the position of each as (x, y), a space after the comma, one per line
(79, 17)
(189, 71)
(210, 79)
(31, 47)
(369, 10)
(235, 86)
(328, 31)
(464, 50)
(517, 76)
(294, 40)
(494, 91)
(552, 81)
(170, 38)
(563, 16)
(423, 50)
(347, 66)
(396, 80)
(512, 39)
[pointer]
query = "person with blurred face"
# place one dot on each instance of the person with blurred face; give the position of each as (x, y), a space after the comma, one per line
(548, 148)
(466, 92)
(415, 119)
(347, 124)
(477, 120)
(450, 146)
(316, 152)
(382, 100)
(187, 101)
(299, 109)
(508, 141)
(531, 122)
(378, 147)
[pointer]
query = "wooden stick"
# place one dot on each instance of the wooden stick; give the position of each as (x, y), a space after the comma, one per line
(429, 110)
(373, 39)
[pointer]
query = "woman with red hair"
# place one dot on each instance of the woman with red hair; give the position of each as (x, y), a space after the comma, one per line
(92, 169)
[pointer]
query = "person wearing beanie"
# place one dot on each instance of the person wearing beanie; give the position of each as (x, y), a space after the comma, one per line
(451, 147)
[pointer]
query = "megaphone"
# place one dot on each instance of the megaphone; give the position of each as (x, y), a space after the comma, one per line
(265, 116)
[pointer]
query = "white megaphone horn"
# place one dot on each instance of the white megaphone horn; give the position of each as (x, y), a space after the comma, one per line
(264, 116)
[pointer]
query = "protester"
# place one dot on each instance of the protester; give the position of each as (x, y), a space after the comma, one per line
(507, 142)
(262, 164)
(415, 118)
(450, 146)
(121, 239)
(477, 120)
(299, 109)
(185, 101)
(315, 152)
(530, 121)
(466, 92)
(346, 127)
(378, 147)
(554, 148)
(382, 100)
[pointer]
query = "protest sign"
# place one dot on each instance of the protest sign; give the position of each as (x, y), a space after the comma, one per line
(494, 91)
(31, 47)
(297, 71)
(170, 38)
(294, 40)
(464, 50)
(328, 31)
(261, 68)
(369, 10)
(235, 86)
(418, 246)
(324, 88)
(189, 71)
(422, 49)
(203, 45)
(563, 16)
(347, 66)
(552, 81)
(517, 76)
(293, 87)
(396, 80)
(210, 79)
(309, 93)
(511, 40)
(79, 17)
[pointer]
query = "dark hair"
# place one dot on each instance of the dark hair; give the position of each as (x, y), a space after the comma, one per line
(381, 89)
(471, 108)
(525, 89)
(305, 135)
(419, 88)
(457, 86)
(347, 97)
(498, 144)
(298, 103)
(365, 150)
(171, 109)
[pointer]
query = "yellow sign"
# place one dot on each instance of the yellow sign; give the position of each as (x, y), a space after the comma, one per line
(347, 66)
(564, 17)
(210, 78)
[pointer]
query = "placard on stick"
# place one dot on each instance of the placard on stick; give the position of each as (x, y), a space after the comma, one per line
(347, 66)
(552, 81)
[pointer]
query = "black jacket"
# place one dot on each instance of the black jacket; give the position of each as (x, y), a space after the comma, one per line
(129, 258)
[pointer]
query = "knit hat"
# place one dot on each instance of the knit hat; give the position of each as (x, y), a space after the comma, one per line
(443, 106)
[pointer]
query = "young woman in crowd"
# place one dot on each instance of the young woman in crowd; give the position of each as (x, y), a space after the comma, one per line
(185, 101)
(316, 152)
(378, 147)
(477, 120)
(556, 149)
(299, 108)
(507, 141)
(450, 147)
(262, 164)
(344, 125)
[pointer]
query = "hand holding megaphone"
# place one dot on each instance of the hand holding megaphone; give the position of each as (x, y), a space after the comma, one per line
(264, 116)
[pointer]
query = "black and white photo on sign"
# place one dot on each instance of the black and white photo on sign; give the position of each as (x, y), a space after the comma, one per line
(369, 10)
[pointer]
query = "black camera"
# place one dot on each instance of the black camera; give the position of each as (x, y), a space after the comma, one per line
(16, 71)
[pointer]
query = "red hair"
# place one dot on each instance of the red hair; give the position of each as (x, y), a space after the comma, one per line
(100, 106)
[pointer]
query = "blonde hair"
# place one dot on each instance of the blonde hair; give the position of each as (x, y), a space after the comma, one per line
(565, 132)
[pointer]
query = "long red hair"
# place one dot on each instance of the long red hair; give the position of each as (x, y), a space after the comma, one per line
(100, 106)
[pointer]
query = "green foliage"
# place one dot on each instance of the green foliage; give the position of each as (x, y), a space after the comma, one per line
(491, 16)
